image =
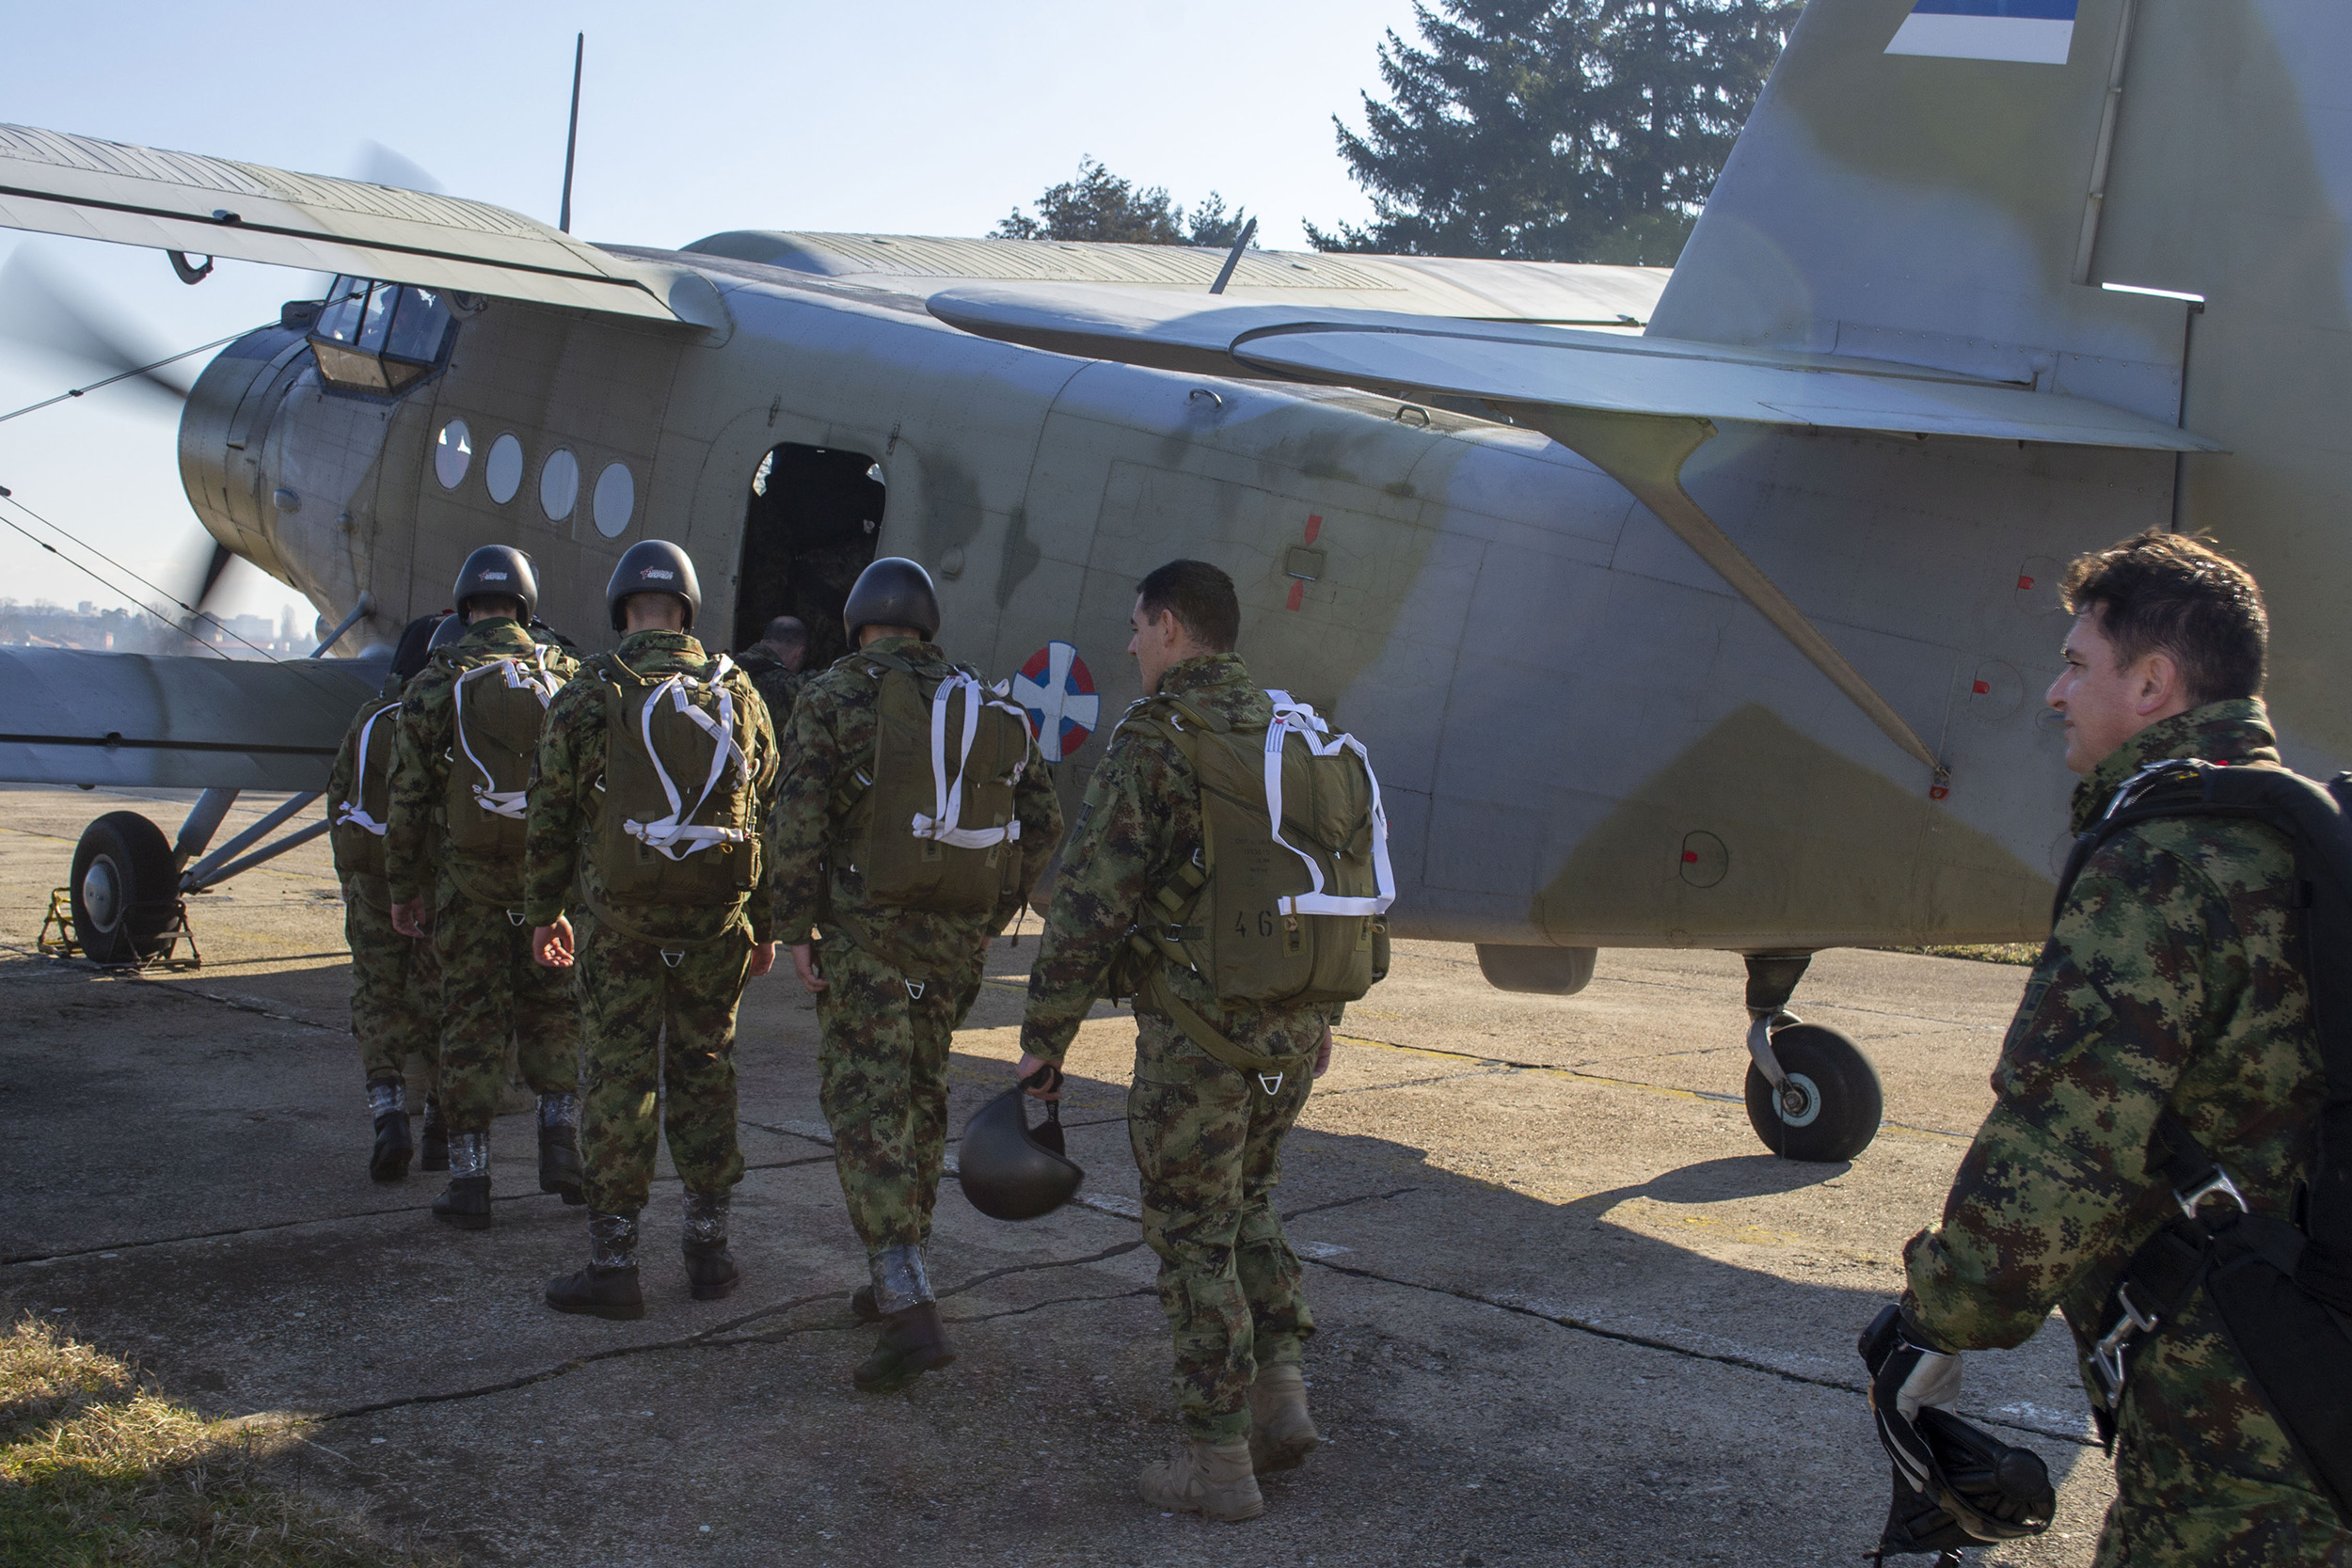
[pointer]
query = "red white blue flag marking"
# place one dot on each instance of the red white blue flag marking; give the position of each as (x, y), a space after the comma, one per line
(1057, 688)
(2036, 32)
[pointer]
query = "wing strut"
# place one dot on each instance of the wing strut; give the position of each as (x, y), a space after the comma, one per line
(1646, 452)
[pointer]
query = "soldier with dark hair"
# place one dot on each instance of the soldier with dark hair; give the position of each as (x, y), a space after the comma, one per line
(2170, 992)
(906, 888)
(775, 665)
(453, 853)
(656, 771)
(1216, 1085)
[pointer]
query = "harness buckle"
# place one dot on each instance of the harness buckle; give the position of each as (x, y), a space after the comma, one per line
(915, 989)
(673, 956)
(1272, 1085)
(2218, 1182)
(2106, 1356)
(515, 917)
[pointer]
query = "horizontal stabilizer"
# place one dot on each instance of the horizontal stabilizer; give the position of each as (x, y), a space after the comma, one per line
(55, 183)
(1525, 363)
(70, 716)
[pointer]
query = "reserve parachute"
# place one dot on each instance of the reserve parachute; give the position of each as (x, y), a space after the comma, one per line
(1284, 903)
(677, 823)
(931, 825)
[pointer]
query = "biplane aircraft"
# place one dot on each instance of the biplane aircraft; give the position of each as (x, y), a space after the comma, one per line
(1703, 611)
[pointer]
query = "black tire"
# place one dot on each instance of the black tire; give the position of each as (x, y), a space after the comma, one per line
(125, 888)
(1844, 1100)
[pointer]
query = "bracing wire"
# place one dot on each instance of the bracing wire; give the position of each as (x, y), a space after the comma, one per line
(79, 391)
(200, 614)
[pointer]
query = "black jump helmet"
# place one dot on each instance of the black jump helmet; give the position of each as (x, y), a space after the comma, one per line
(1011, 1170)
(893, 591)
(654, 566)
(500, 569)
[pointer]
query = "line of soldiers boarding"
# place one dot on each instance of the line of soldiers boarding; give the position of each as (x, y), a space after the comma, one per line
(590, 858)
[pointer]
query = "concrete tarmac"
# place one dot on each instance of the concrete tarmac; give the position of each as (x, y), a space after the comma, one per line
(1569, 1310)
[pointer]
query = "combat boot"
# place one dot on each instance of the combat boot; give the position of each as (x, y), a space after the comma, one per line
(711, 1271)
(390, 1160)
(433, 1138)
(1202, 1477)
(465, 1204)
(607, 1287)
(1281, 1434)
(913, 1340)
(558, 1147)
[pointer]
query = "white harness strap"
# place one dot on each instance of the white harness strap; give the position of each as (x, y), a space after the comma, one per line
(1295, 718)
(354, 811)
(948, 800)
(676, 836)
(534, 676)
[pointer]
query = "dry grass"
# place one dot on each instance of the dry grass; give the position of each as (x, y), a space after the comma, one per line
(1991, 952)
(98, 1465)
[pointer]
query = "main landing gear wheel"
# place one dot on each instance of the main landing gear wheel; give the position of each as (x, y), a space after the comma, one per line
(125, 888)
(1829, 1107)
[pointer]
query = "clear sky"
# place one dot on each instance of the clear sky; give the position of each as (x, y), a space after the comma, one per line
(917, 117)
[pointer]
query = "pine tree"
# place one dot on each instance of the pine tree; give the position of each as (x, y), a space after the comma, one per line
(1098, 205)
(1556, 130)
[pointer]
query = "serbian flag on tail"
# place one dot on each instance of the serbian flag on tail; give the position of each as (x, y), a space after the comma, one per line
(2037, 32)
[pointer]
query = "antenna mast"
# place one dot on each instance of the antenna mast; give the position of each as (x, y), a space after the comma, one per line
(571, 140)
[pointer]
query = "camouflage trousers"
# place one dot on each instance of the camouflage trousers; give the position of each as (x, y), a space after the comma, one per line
(1208, 1141)
(2203, 1474)
(883, 1065)
(395, 992)
(492, 991)
(660, 1037)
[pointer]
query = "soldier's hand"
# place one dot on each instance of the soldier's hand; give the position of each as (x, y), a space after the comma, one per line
(1323, 1052)
(1039, 1077)
(409, 919)
(551, 945)
(804, 965)
(763, 958)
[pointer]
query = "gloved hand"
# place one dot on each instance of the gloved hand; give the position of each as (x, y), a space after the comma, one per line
(1907, 1376)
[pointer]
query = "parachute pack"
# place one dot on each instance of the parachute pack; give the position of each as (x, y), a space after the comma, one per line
(679, 822)
(929, 820)
(1284, 902)
(2281, 1287)
(497, 707)
(357, 824)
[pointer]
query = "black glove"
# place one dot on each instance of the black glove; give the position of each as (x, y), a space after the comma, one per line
(1907, 1375)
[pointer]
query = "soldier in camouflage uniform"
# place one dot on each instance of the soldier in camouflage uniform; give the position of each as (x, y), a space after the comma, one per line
(395, 985)
(1207, 1138)
(2171, 979)
(774, 663)
(891, 983)
(491, 990)
(658, 983)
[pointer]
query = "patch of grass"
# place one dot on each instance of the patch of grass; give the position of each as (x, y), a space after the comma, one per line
(98, 1465)
(1989, 953)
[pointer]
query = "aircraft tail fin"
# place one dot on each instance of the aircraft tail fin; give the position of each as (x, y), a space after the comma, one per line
(1919, 182)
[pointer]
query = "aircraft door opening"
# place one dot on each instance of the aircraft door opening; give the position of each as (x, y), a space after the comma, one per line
(809, 528)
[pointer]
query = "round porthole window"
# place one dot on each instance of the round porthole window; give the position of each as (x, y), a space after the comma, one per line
(453, 454)
(559, 486)
(615, 500)
(503, 471)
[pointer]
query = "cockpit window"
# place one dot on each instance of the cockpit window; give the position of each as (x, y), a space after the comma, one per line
(381, 337)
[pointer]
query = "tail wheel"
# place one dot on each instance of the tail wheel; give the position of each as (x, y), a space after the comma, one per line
(1833, 1104)
(125, 888)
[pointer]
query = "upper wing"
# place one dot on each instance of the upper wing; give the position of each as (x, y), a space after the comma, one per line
(68, 717)
(1526, 363)
(100, 190)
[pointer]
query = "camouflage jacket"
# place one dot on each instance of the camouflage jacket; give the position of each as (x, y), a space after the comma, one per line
(1140, 820)
(777, 685)
(2171, 979)
(428, 734)
(831, 731)
(560, 834)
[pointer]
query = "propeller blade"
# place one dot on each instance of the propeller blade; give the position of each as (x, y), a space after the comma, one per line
(42, 310)
(379, 165)
(222, 556)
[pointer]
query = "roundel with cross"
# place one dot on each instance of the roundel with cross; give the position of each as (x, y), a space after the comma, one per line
(1058, 689)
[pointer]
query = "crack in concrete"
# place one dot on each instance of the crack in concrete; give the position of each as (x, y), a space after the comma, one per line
(713, 1336)
(1346, 1203)
(1626, 1337)
(30, 1258)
